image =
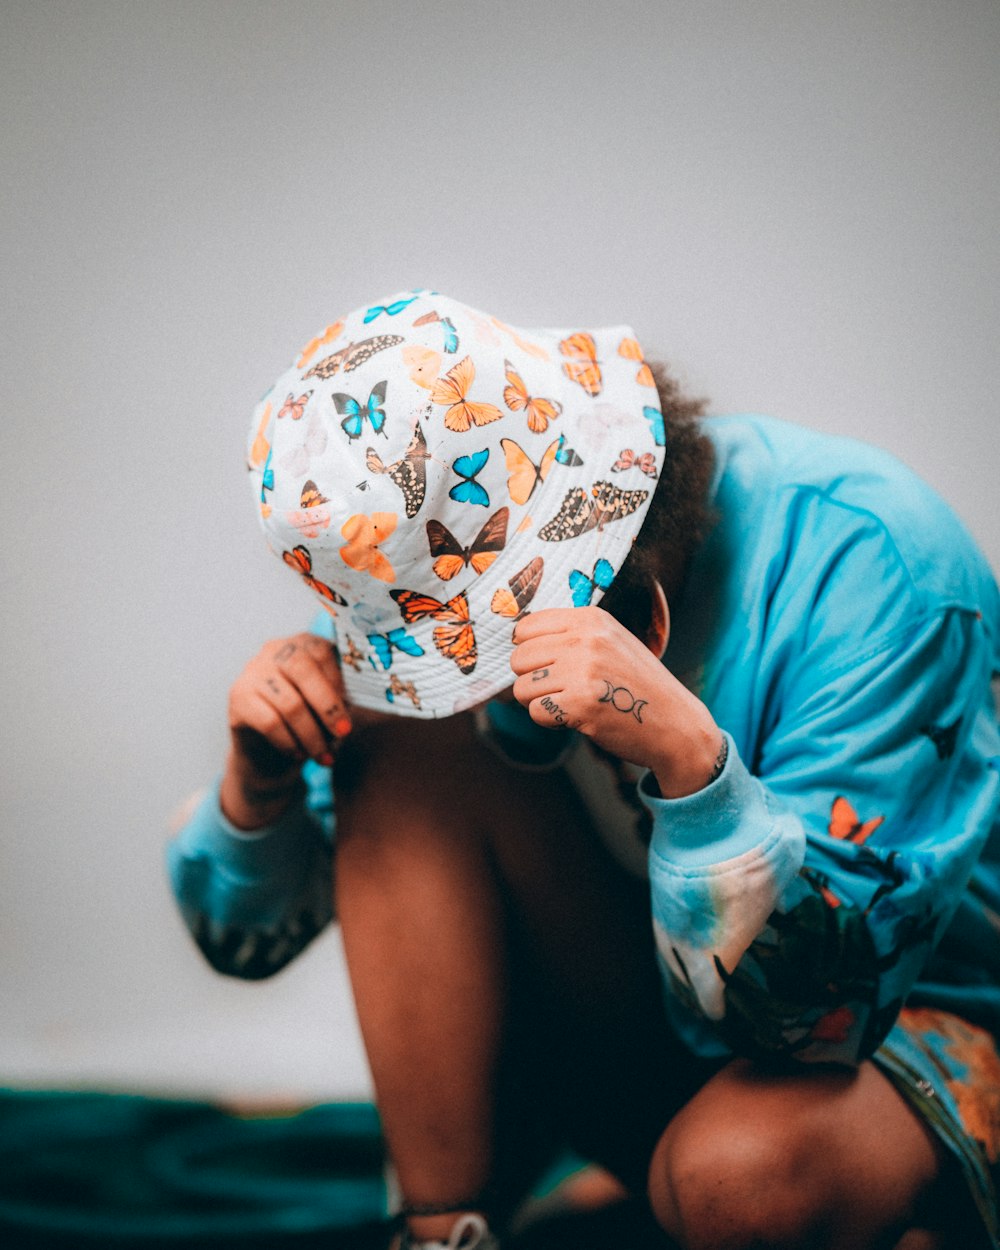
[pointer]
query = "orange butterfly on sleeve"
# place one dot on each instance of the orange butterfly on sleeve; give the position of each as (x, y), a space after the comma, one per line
(301, 561)
(846, 824)
(538, 411)
(630, 349)
(450, 557)
(363, 534)
(582, 366)
(455, 637)
(452, 390)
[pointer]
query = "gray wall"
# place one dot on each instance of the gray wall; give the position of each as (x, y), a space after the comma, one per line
(795, 201)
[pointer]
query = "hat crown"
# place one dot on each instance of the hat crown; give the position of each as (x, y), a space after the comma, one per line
(433, 473)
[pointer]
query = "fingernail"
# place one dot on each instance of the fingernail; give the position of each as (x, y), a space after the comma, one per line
(342, 727)
(326, 759)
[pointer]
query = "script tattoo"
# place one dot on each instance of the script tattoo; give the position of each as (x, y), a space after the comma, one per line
(623, 700)
(558, 715)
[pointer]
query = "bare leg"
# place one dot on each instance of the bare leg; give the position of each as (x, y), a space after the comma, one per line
(482, 920)
(816, 1159)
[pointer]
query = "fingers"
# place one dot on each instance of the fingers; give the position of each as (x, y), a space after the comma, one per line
(547, 621)
(291, 695)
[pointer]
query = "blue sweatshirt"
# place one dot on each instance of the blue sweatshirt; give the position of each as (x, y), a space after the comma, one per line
(843, 629)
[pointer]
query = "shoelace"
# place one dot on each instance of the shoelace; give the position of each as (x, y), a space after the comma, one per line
(468, 1232)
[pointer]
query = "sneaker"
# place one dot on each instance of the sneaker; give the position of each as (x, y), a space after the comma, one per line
(469, 1232)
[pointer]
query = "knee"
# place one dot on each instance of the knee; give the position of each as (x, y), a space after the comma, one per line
(731, 1182)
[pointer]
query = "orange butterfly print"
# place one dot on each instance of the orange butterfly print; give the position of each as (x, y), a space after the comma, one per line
(311, 516)
(526, 346)
(452, 390)
(301, 561)
(513, 602)
(455, 638)
(293, 407)
(524, 474)
(630, 349)
(628, 459)
(312, 347)
(260, 446)
(538, 411)
(846, 825)
(582, 366)
(363, 534)
(450, 557)
(422, 364)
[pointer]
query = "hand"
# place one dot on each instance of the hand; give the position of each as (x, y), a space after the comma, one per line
(286, 705)
(579, 668)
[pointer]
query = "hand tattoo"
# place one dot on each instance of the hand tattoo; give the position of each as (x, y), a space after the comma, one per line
(539, 673)
(558, 715)
(623, 700)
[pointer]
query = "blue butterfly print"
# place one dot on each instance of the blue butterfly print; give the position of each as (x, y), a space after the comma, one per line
(583, 587)
(469, 490)
(392, 309)
(382, 645)
(566, 455)
(450, 335)
(267, 476)
(354, 422)
(655, 419)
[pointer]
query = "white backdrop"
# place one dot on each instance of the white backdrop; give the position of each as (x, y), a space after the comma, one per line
(794, 201)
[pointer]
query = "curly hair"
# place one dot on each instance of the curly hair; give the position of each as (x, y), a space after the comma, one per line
(679, 515)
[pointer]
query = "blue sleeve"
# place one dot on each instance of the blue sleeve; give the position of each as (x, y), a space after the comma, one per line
(253, 901)
(795, 907)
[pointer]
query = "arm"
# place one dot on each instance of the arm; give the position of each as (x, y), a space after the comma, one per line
(252, 867)
(794, 909)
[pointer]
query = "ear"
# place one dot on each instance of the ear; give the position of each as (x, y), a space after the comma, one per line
(659, 620)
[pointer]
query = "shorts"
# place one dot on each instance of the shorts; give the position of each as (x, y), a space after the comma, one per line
(949, 1072)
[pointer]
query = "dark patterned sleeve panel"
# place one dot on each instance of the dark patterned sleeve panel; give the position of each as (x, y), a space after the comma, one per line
(253, 902)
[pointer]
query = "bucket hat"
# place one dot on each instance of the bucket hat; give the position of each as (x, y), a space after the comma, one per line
(434, 474)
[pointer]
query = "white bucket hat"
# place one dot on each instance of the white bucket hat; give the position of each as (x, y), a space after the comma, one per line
(434, 474)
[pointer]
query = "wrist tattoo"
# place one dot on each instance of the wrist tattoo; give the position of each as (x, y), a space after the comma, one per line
(720, 760)
(623, 700)
(257, 794)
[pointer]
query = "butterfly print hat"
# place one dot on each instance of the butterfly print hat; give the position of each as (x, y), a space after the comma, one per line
(433, 474)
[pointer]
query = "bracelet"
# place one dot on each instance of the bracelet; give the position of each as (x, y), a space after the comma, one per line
(477, 1203)
(720, 761)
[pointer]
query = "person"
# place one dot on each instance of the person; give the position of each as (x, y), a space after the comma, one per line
(648, 761)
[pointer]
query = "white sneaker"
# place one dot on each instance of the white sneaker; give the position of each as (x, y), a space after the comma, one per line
(469, 1232)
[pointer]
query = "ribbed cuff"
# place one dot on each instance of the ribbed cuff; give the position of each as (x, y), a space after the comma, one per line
(245, 852)
(725, 819)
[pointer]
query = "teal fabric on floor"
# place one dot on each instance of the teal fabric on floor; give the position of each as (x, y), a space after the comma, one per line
(85, 1170)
